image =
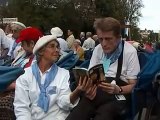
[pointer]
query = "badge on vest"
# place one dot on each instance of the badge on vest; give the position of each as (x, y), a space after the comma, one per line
(52, 90)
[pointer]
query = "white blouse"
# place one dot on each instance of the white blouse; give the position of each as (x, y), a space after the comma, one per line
(27, 94)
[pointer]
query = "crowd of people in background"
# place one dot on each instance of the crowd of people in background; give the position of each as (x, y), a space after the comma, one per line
(10, 48)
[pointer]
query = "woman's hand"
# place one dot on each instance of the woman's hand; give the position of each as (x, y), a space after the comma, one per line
(91, 92)
(84, 84)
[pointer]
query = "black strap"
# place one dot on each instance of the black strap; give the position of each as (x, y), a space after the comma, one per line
(120, 62)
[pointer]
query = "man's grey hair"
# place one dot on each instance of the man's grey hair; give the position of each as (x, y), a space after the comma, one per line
(88, 34)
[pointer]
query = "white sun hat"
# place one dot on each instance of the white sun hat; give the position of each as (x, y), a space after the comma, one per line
(56, 31)
(19, 23)
(43, 41)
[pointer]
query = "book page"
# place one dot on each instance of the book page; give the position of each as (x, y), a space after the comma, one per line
(96, 74)
(80, 72)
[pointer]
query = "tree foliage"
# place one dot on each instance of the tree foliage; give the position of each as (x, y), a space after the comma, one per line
(70, 14)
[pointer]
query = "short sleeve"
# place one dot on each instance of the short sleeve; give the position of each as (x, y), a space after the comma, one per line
(133, 67)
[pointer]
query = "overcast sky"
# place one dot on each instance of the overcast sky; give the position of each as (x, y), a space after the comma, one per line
(150, 15)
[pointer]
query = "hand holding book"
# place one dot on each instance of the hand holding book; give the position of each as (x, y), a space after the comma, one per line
(84, 84)
(96, 74)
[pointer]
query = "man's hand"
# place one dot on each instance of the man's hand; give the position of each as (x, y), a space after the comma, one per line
(109, 88)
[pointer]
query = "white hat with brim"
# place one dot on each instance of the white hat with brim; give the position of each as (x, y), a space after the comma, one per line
(43, 41)
(20, 24)
(56, 31)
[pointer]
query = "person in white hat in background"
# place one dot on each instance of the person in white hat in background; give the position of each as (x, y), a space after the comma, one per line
(42, 92)
(56, 31)
(15, 48)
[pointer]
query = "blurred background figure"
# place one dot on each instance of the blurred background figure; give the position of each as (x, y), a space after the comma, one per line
(56, 31)
(16, 28)
(10, 40)
(156, 46)
(78, 49)
(82, 37)
(70, 40)
(148, 46)
(95, 38)
(4, 47)
(89, 43)
(8, 30)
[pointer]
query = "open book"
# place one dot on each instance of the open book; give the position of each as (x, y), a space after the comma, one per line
(96, 73)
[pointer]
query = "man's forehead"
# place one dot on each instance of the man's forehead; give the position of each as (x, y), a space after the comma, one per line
(99, 32)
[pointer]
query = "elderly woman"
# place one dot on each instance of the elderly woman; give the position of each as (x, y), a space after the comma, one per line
(78, 49)
(43, 92)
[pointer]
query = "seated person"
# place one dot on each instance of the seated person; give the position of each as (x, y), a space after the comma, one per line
(78, 49)
(42, 92)
(28, 38)
(59, 34)
(121, 66)
(4, 48)
(16, 28)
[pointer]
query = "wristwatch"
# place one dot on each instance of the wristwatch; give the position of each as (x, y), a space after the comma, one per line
(120, 90)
